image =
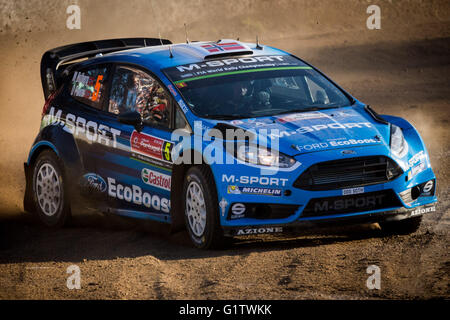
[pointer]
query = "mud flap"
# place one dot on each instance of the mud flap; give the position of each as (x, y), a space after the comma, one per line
(28, 203)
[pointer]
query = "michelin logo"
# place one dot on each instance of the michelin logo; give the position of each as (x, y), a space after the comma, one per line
(254, 190)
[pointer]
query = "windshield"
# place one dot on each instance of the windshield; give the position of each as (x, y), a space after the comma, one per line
(241, 89)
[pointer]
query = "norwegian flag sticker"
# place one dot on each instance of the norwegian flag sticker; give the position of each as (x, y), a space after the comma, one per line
(221, 47)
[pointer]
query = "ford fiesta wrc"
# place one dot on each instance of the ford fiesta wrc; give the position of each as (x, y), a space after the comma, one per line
(222, 138)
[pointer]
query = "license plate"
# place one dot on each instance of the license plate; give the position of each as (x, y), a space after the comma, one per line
(346, 192)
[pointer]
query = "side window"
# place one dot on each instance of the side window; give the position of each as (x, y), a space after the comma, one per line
(89, 86)
(134, 90)
(180, 121)
(318, 94)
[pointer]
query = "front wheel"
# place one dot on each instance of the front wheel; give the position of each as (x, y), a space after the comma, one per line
(201, 208)
(49, 193)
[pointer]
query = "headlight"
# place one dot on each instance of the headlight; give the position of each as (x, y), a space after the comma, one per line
(399, 146)
(263, 157)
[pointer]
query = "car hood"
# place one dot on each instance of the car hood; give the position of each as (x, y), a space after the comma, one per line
(315, 131)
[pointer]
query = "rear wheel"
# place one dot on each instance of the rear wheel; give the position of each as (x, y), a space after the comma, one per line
(406, 226)
(49, 192)
(201, 208)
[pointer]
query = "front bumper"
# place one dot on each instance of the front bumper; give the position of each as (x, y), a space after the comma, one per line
(278, 190)
(299, 225)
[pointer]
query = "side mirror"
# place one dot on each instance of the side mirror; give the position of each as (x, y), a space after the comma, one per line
(132, 118)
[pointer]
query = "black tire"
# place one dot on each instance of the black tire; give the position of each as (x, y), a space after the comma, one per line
(406, 226)
(61, 209)
(212, 235)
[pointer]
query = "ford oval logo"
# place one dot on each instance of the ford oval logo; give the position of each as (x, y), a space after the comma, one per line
(348, 152)
(94, 182)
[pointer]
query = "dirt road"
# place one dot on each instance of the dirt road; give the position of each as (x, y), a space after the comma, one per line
(402, 69)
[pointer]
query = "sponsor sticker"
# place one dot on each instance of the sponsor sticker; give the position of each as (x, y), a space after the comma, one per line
(346, 192)
(319, 127)
(233, 190)
(356, 203)
(254, 190)
(134, 194)
(223, 205)
(302, 116)
(149, 148)
(418, 168)
(172, 90)
(262, 230)
(181, 74)
(428, 186)
(237, 210)
(336, 143)
(85, 86)
(93, 182)
(183, 106)
(416, 158)
(156, 179)
(344, 113)
(253, 121)
(420, 211)
(79, 126)
(250, 180)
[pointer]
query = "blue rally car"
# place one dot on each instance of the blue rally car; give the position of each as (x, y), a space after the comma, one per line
(222, 138)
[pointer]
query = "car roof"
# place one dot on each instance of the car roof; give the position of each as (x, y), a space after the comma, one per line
(160, 57)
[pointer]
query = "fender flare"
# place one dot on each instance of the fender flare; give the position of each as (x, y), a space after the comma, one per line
(54, 138)
(411, 134)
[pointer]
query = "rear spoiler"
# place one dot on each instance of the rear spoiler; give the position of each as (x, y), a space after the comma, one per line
(52, 60)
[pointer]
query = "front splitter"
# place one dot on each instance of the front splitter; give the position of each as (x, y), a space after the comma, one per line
(299, 225)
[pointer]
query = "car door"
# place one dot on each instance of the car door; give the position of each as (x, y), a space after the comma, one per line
(138, 171)
(86, 94)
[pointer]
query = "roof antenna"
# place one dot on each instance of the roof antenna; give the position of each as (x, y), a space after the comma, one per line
(160, 40)
(185, 31)
(257, 44)
(170, 46)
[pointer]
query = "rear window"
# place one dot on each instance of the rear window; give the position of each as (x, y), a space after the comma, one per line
(88, 86)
